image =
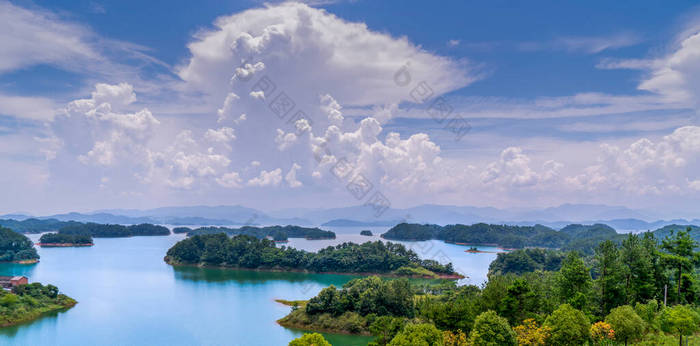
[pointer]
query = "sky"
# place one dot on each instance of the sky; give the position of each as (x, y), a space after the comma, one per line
(273, 105)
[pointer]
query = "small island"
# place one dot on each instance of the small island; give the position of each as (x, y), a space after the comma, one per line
(64, 240)
(16, 248)
(247, 252)
(366, 233)
(28, 302)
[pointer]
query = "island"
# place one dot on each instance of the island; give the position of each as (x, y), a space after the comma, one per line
(180, 230)
(97, 230)
(17, 248)
(28, 302)
(64, 240)
(366, 233)
(279, 233)
(582, 238)
(248, 252)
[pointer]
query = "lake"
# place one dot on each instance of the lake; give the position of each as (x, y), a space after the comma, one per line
(127, 295)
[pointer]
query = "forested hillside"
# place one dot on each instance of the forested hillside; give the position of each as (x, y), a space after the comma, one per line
(643, 290)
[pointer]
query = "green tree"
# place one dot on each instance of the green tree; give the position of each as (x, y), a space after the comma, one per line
(519, 302)
(491, 330)
(680, 256)
(453, 310)
(681, 320)
(423, 334)
(568, 326)
(628, 326)
(657, 277)
(648, 314)
(384, 328)
(638, 273)
(310, 339)
(608, 285)
(574, 281)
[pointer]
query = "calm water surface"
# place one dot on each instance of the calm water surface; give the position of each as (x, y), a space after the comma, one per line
(127, 295)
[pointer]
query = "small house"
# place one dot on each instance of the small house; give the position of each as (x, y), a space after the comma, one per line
(12, 281)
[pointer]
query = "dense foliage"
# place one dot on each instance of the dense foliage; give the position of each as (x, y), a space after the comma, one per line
(365, 296)
(280, 232)
(243, 251)
(27, 302)
(526, 260)
(35, 225)
(112, 231)
(609, 297)
(58, 238)
(15, 246)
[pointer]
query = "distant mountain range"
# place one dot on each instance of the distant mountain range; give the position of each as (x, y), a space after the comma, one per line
(620, 218)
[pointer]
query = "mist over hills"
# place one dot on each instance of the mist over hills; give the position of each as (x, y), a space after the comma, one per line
(620, 218)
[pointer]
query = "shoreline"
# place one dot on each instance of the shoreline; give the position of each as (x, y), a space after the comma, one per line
(282, 270)
(64, 244)
(504, 249)
(482, 251)
(37, 315)
(318, 330)
(29, 261)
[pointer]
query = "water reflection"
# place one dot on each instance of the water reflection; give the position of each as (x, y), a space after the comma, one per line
(189, 273)
(49, 320)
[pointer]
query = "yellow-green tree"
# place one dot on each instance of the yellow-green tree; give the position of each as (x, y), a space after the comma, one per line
(569, 326)
(681, 320)
(423, 334)
(491, 329)
(530, 334)
(627, 324)
(310, 339)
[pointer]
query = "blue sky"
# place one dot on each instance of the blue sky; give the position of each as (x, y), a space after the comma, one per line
(140, 104)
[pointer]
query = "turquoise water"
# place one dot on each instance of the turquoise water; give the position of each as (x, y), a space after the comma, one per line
(127, 295)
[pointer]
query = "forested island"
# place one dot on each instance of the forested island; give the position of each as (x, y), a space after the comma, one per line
(247, 252)
(15, 247)
(28, 302)
(366, 232)
(643, 291)
(97, 230)
(64, 240)
(278, 233)
(582, 238)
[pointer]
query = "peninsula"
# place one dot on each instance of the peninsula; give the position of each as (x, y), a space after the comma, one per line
(28, 302)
